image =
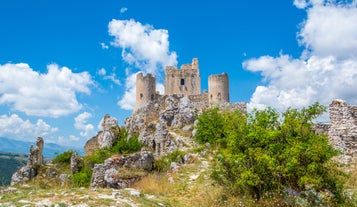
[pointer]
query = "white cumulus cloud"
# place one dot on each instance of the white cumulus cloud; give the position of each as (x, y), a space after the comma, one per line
(51, 94)
(14, 127)
(143, 47)
(80, 123)
(327, 68)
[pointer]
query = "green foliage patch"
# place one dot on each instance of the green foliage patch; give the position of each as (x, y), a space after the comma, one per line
(163, 163)
(265, 152)
(63, 158)
(82, 178)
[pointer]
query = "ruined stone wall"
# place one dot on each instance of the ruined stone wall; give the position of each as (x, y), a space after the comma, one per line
(184, 81)
(343, 129)
(218, 88)
(145, 90)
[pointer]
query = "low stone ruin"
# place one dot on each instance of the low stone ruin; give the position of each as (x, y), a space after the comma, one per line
(35, 160)
(107, 174)
(343, 129)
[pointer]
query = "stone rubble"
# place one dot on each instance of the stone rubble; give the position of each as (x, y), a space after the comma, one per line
(105, 175)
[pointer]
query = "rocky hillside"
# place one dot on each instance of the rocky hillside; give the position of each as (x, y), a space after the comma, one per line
(152, 161)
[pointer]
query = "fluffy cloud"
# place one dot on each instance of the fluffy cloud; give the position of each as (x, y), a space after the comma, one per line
(80, 123)
(331, 30)
(112, 77)
(50, 94)
(15, 127)
(143, 47)
(326, 70)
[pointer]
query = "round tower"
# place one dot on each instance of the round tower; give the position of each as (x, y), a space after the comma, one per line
(218, 88)
(145, 90)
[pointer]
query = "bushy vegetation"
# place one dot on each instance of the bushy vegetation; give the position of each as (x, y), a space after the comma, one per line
(82, 178)
(123, 145)
(63, 158)
(163, 164)
(265, 154)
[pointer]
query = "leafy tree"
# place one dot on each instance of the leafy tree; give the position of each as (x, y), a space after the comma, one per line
(268, 152)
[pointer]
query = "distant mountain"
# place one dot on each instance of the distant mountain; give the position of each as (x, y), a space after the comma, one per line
(50, 149)
(9, 163)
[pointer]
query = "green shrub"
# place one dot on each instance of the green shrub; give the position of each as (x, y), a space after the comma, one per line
(82, 178)
(63, 158)
(163, 164)
(97, 157)
(123, 145)
(264, 152)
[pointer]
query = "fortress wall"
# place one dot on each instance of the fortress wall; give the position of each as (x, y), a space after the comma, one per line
(343, 129)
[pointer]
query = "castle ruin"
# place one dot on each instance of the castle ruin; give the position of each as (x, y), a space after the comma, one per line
(185, 82)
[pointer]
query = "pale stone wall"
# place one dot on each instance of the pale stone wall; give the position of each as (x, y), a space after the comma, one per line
(184, 81)
(145, 90)
(218, 88)
(343, 129)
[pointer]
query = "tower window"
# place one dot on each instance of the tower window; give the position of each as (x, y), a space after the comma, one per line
(182, 82)
(141, 96)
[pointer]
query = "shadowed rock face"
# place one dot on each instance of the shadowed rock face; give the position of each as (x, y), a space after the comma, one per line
(35, 160)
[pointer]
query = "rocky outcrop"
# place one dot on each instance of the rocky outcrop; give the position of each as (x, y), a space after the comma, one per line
(343, 129)
(153, 121)
(35, 160)
(108, 174)
(104, 138)
(76, 163)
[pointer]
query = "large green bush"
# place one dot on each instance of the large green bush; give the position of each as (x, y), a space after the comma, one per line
(63, 158)
(263, 152)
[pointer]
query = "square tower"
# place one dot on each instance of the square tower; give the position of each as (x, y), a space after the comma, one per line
(184, 81)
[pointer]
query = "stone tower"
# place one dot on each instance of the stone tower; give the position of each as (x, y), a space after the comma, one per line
(218, 88)
(145, 90)
(184, 81)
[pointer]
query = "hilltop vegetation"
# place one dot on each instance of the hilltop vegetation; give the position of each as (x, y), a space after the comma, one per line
(262, 158)
(264, 155)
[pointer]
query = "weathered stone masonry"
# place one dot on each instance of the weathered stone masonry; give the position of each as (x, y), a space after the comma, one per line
(155, 114)
(342, 132)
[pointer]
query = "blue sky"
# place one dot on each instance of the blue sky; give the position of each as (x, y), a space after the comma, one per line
(65, 64)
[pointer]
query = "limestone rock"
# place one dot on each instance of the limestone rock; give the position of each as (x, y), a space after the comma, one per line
(76, 163)
(105, 175)
(35, 160)
(104, 138)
